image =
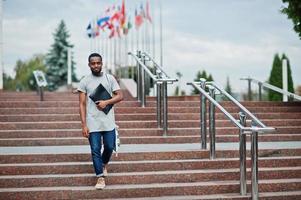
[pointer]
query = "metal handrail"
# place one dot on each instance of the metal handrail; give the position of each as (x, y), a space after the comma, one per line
(161, 83)
(155, 79)
(155, 64)
(271, 87)
(253, 130)
(144, 67)
(246, 111)
(195, 84)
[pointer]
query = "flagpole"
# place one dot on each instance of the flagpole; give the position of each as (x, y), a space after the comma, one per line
(161, 46)
(125, 57)
(137, 37)
(90, 44)
(115, 55)
(98, 38)
(112, 55)
(153, 31)
(1, 46)
(106, 52)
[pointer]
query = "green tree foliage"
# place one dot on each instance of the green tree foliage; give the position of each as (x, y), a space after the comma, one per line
(8, 82)
(178, 91)
(56, 59)
(24, 79)
(199, 75)
(276, 78)
(228, 89)
(293, 12)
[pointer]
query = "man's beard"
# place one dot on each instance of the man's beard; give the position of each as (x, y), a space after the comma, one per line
(96, 73)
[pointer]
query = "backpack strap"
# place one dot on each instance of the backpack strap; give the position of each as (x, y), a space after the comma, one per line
(110, 84)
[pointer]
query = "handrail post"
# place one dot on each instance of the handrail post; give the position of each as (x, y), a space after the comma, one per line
(41, 93)
(159, 93)
(138, 78)
(142, 73)
(249, 89)
(260, 91)
(165, 108)
(203, 115)
(212, 123)
(242, 155)
(254, 161)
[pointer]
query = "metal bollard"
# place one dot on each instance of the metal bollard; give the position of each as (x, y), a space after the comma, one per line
(212, 123)
(165, 109)
(260, 91)
(254, 161)
(203, 115)
(242, 155)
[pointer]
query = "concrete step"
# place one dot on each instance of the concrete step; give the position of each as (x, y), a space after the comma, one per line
(141, 166)
(136, 156)
(138, 124)
(287, 195)
(16, 103)
(145, 190)
(133, 132)
(176, 176)
(56, 141)
(51, 104)
(126, 110)
(134, 117)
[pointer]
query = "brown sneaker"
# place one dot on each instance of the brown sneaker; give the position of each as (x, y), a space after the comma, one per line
(100, 183)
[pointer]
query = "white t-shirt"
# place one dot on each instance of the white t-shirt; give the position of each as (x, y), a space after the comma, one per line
(96, 119)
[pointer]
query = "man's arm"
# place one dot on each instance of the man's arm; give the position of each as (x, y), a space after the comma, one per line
(117, 97)
(82, 113)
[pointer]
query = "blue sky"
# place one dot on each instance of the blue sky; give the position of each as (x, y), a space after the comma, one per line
(235, 38)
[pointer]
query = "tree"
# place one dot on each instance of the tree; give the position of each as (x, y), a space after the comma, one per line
(276, 78)
(199, 75)
(24, 79)
(178, 87)
(56, 59)
(228, 87)
(8, 82)
(293, 12)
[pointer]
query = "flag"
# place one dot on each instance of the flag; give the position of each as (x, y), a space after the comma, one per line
(148, 17)
(92, 31)
(102, 21)
(127, 27)
(142, 12)
(122, 14)
(138, 19)
(89, 30)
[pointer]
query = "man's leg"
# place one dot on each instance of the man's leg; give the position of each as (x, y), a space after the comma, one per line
(95, 145)
(109, 143)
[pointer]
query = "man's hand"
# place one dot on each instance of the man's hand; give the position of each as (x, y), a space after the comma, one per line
(101, 105)
(85, 131)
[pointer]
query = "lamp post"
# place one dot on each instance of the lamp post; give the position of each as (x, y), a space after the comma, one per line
(1, 46)
(69, 72)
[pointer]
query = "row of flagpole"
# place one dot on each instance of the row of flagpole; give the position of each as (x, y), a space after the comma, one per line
(113, 37)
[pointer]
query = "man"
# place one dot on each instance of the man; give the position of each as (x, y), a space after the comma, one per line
(98, 126)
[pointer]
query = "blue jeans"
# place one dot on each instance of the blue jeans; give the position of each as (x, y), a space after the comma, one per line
(96, 139)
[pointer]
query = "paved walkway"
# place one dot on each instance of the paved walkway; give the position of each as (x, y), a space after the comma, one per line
(143, 148)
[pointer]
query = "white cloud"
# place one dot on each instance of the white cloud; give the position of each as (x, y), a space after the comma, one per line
(189, 53)
(194, 39)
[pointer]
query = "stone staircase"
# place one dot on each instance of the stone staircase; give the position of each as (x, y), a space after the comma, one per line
(43, 156)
